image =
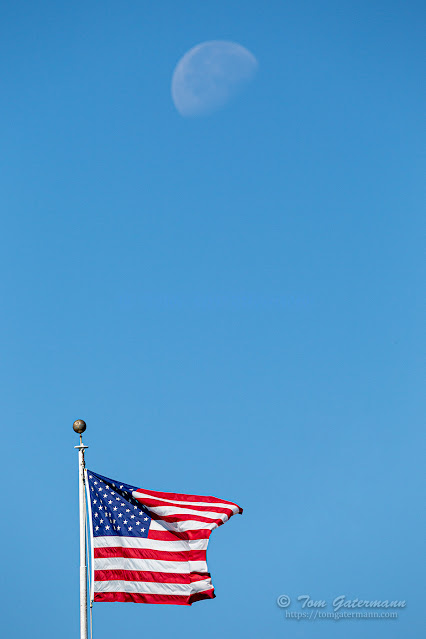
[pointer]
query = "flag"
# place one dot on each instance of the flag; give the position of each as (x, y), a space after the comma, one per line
(149, 546)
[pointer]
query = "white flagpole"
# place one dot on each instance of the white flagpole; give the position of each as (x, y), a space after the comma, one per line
(79, 427)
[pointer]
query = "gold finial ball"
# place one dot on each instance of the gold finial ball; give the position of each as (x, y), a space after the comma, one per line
(79, 426)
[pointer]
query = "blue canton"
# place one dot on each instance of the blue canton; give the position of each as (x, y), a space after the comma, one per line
(114, 509)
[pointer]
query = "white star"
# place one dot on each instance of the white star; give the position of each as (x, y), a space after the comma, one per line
(121, 486)
(123, 505)
(96, 514)
(129, 528)
(143, 529)
(96, 483)
(115, 508)
(117, 499)
(105, 494)
(135, 507)
(125, 521)
(100, 507)
(137, 523)
(127, 510)
(118, 528)
(145, 519)
(97, 528)
(101, 521)
(112, 493)
(106, 527)
(95, 501)
(110, 501)
(132, 516)
(90, 476)
(120, 515)
(141, 512)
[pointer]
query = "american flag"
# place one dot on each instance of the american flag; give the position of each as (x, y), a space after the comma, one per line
(149, 546)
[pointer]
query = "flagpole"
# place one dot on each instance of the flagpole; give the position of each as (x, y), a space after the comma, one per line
(80, 426)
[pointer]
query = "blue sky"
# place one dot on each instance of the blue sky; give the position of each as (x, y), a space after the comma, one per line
(232, 303)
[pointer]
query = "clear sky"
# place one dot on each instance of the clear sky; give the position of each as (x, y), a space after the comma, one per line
(232, 303)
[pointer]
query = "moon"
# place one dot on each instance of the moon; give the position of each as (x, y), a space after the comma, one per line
(209, 75)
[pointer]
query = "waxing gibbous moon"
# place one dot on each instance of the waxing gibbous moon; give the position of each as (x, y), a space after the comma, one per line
(209, 75)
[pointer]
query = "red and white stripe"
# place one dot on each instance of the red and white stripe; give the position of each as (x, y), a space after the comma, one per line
(169, 566)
